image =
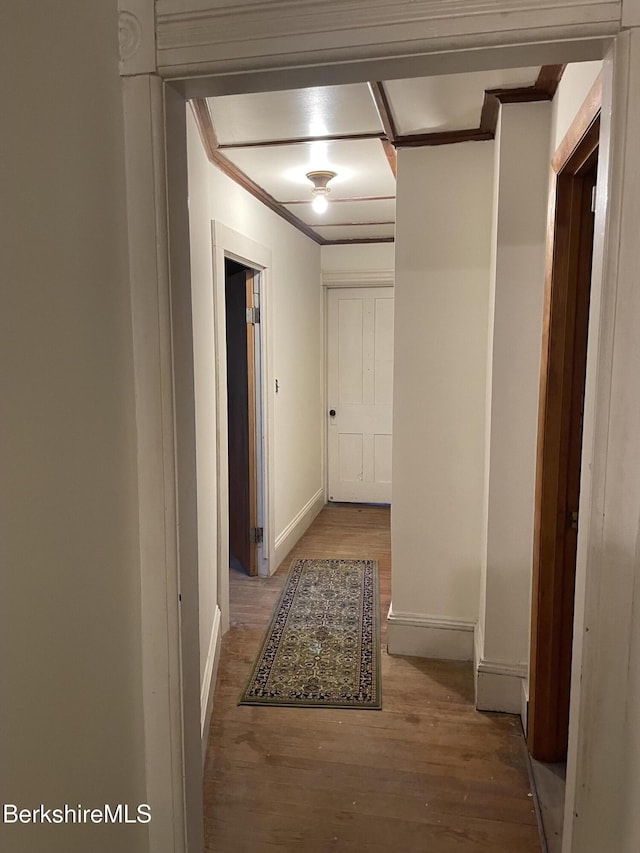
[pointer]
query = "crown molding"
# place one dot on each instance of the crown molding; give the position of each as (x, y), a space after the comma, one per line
(202, 36)
(443, 137)
(300, 140)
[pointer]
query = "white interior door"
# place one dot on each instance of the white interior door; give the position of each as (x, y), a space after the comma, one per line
(360, 392)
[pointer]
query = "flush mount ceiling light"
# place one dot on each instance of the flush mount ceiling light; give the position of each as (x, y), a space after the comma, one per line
(320, 181)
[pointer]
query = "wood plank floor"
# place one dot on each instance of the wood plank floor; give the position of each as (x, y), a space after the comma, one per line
(427, 774)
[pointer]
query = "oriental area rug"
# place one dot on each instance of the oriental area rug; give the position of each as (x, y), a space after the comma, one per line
(322, 648)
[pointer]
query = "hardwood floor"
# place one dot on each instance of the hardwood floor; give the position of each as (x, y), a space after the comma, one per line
(427, 774)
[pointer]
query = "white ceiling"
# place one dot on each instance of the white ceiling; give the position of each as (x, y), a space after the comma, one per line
(360, 165)
(261, 135)
(295, 114)
(449, 102)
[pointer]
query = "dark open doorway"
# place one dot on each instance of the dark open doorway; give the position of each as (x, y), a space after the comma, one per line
(244, 534)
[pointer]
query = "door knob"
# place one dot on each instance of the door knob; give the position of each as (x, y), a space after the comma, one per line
(332, 412)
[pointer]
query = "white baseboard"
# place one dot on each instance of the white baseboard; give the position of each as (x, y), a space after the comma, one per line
(209, 679)
(524, 705)
(429, 636)
(499, 686)
(294, 530)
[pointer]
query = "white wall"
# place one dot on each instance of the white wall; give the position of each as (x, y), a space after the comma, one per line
(71, 707)
(577, 79)
(443, 233)
(358, 256)
(296, 313)
(515, 323)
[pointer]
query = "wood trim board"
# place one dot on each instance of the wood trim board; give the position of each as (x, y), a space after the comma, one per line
(562, 382)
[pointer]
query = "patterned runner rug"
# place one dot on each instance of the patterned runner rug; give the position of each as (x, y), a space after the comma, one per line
(322, 648)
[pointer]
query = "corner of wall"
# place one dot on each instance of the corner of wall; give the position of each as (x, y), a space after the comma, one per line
(429, 636)
(499, 686)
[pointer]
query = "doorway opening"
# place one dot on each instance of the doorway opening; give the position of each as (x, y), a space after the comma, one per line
(243, 416)
(562, 388)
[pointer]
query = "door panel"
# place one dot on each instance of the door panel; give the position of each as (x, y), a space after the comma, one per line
(360, 391)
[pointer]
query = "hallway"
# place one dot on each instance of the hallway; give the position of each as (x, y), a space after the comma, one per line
(427, 774)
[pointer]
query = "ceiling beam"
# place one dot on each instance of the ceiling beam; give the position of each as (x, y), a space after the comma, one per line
(549, 78)
(346, 224)
(383, 107)
(390, 154)
(442, 137)
(333, 137)
(494, 97)
(543, 89)
(347, 200)
(349, 240)
(204, 122)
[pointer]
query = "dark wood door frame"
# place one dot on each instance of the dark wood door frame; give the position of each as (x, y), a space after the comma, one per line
(563, 367)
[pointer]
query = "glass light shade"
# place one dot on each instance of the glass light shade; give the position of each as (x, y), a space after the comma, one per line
(320, 203)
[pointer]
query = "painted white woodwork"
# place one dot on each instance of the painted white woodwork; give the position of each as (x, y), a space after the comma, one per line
(150, 306)
(603, 768)
(520, 201)
(358, 277)
(448, 102)
(207, 688)
(184, 446)
(200, 36)
(136, 37)
(360, 390)
(499, 685)
(287, 539)
(417, 635)
(360, 165)
(345, 212)
(317, 111)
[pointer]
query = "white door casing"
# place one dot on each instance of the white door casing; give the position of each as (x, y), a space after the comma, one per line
(360, 391)
(472, 36)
